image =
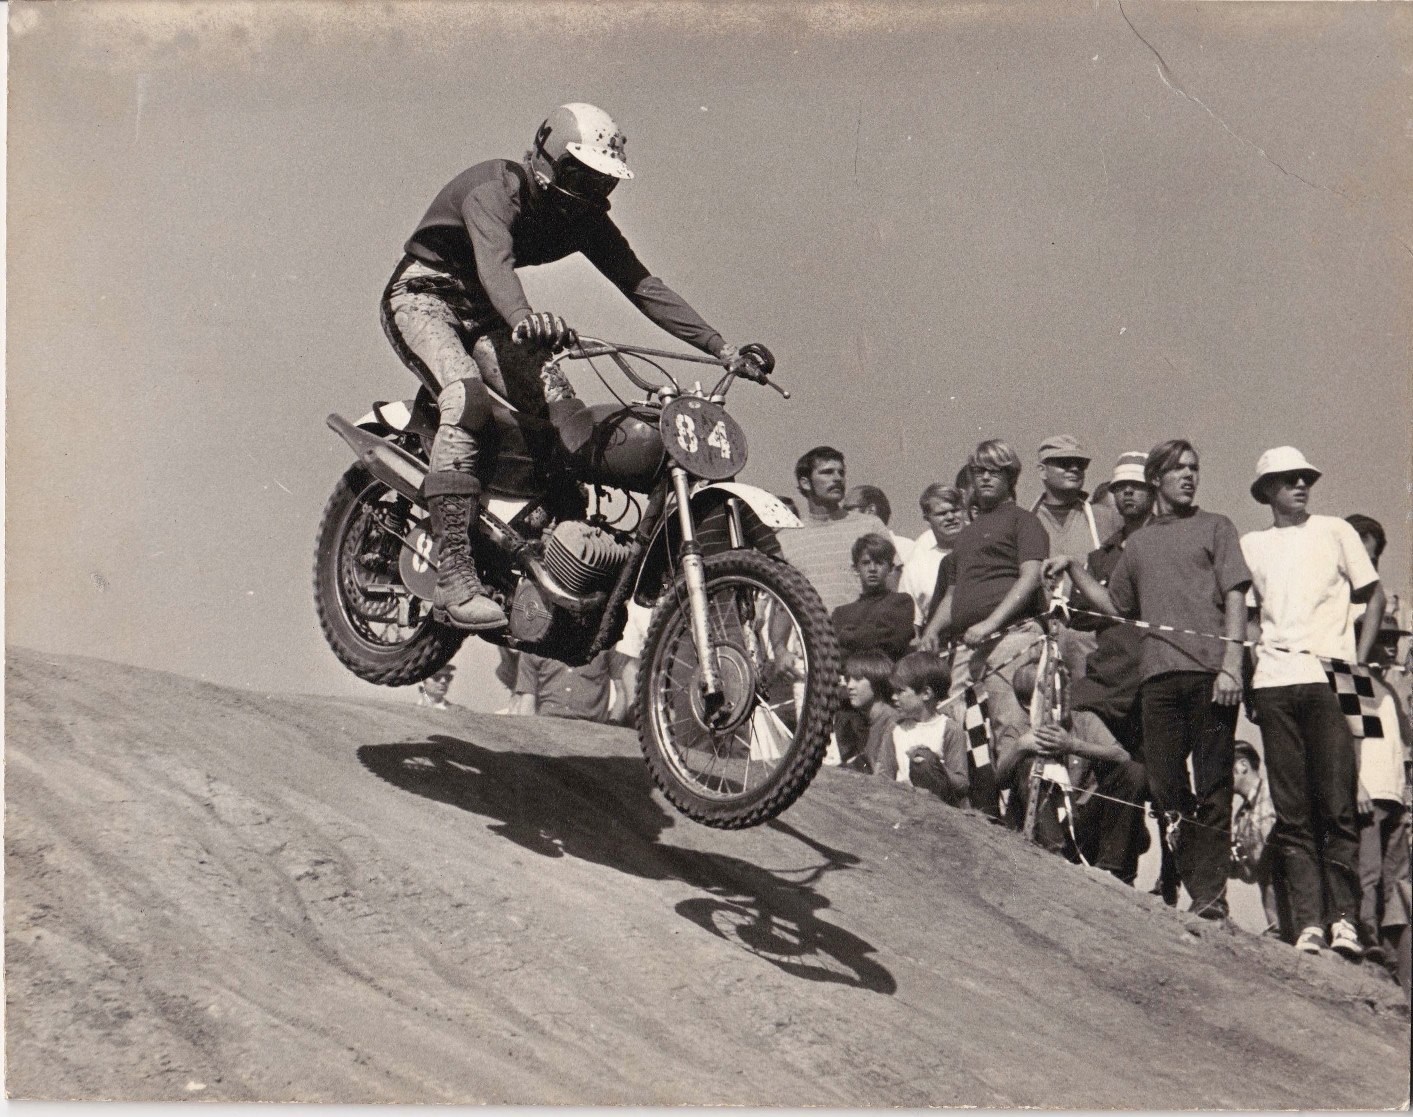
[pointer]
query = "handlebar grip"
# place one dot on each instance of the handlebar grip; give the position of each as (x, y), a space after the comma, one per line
(759, 356)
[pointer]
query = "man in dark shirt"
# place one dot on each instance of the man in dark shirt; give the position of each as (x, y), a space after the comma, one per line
(1185, 570)
(993, 579)
(454, 305)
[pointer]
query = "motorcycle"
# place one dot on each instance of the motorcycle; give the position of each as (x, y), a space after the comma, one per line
(737, 683)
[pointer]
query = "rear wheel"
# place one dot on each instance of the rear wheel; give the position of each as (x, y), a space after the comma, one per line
(376, 626)
(745, 759)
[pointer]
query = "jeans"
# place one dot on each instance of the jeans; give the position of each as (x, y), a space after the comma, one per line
(1180, 720)
(970, 664)
(1312, 772)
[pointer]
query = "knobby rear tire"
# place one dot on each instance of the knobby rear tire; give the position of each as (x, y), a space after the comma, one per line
(815, 718)
(425, 652)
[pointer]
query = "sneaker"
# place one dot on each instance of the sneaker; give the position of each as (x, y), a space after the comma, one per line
(1344, 940)
(1311, 940)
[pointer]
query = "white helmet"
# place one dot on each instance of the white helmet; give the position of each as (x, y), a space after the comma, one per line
(579, 151)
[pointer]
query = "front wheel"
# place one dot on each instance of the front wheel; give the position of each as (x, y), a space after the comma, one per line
(746, 756)
(377, 627)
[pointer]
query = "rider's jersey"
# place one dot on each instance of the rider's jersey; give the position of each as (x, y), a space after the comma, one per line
(493, 218)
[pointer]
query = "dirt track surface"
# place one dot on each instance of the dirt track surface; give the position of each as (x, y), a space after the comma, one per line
(218, 895)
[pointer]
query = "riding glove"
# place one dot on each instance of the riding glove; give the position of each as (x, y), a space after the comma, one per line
(544, 329)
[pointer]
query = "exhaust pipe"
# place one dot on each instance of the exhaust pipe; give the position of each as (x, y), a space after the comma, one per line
(399, 470)
(390, 464)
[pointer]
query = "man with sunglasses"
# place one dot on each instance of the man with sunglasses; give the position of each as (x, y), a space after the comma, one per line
(458, 317)
(1306, 570)
(1076, 526)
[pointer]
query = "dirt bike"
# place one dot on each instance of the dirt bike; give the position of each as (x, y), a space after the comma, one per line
(738, 677)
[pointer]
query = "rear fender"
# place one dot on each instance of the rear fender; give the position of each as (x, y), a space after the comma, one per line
(760, 515)
(417, 416)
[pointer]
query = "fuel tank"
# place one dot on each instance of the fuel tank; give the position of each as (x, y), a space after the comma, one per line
(608, 443)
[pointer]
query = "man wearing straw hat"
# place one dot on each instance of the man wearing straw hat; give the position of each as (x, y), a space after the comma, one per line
(1306, 570)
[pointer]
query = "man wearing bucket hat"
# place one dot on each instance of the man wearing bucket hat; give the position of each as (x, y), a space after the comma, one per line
(1306, 570)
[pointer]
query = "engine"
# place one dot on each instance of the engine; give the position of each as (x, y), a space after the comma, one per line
(584, 558)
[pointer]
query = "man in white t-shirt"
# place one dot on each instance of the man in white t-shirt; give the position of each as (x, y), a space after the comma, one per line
(945, 510)
(1306, 571)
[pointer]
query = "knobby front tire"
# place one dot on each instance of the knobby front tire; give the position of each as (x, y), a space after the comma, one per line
(746, 762)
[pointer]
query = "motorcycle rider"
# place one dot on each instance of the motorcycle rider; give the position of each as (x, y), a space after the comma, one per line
(458, 317)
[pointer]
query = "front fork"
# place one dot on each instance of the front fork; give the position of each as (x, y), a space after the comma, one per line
(694, 572)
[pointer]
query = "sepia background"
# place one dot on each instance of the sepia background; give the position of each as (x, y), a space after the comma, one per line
(1128, 222)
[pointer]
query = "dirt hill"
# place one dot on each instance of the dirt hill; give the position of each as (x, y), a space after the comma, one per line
(230, 896)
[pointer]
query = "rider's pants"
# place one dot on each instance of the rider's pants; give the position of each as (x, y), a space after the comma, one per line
(490, 391)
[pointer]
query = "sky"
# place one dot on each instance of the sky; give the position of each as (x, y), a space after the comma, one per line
(950, 222)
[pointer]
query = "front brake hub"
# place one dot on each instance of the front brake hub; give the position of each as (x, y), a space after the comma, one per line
(726, 710)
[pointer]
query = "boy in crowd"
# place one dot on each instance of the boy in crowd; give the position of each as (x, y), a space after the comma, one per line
(822, 548)
(880, 618)
(1111, 786)
(1306, 571)
(945, 510)
(868, 682)
(929, 748)
(1184, 569)
(1253, 857)
(993, 576)
(1074, 524)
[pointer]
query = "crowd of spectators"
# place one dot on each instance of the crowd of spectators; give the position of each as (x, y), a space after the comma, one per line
(1168, 624)
(1315, 816)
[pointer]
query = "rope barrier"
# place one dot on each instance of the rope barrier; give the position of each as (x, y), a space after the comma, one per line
(996, 669)
(1062, 608)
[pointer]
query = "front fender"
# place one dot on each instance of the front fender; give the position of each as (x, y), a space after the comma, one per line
(762, 514)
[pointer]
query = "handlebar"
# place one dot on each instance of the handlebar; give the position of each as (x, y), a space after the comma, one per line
(754, 362)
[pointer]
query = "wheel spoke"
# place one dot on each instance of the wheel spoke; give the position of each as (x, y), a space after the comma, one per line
(376, 521)
(761, 648)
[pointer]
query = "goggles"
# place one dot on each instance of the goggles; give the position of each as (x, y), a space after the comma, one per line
(582, 183)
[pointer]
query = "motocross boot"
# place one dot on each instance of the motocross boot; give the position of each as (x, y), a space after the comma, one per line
(460, 597)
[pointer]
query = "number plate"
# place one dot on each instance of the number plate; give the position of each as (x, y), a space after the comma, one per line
(703, 439)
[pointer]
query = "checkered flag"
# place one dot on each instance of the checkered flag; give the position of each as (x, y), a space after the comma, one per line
(1357, 700)
(981, 771)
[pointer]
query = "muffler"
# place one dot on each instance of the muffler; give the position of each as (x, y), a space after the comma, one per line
(392, 465)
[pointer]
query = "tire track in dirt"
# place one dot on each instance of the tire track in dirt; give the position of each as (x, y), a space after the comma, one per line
(229, 896)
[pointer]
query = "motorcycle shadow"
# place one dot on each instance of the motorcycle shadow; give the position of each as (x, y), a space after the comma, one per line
(602, 809)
